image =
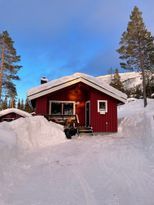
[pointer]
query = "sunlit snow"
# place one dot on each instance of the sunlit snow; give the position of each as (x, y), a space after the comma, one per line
(38, 166)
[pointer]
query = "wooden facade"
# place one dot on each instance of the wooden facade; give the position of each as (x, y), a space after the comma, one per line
(10, 117)
(85, 99)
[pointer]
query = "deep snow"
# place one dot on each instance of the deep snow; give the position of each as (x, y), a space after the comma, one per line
(113, 169)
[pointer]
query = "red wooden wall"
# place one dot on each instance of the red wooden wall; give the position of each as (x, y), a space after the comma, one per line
(103, 122)
(81, 93)
(10, 115)
(77, 93)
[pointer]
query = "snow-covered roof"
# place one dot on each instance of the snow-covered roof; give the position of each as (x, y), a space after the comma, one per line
(14, 110)
(66, 81)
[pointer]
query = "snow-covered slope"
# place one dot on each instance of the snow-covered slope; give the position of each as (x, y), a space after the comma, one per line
(113, 169)
(129, 79)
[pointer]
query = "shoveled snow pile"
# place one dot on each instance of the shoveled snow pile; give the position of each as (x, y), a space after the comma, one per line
(138, 122)
(29, 134)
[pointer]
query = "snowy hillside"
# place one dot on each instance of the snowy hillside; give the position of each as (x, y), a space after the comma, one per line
(129, 79)
(112, 169)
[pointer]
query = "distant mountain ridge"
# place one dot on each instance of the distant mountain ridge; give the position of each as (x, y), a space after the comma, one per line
(129, 79)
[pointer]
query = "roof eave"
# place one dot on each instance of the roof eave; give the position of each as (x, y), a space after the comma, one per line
(74, 81)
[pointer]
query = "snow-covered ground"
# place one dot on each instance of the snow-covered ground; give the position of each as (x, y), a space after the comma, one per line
(38, 166)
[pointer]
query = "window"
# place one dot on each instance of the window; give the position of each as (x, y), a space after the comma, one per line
(68, 108)
(102, 106)
(62, 108)
(56, 108)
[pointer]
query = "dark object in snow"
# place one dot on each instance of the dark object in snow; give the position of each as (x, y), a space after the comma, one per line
(70, 128)
(69, 132)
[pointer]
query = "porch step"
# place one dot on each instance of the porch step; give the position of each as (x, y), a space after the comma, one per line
(85, 130)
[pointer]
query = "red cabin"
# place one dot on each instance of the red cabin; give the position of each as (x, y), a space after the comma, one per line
(93, 102)
(11, 114)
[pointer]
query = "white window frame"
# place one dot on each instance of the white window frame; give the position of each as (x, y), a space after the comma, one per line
(98, 107)
(59, 101)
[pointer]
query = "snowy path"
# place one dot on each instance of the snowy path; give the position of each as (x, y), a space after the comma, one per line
(89, 171)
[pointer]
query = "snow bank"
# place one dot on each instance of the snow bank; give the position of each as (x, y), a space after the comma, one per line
(30, 134)
(138, 122)
(135, 106)
(7, 143)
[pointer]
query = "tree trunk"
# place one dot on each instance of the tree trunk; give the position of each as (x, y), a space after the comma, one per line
(143, 76)
(1, 73)
(144, 88)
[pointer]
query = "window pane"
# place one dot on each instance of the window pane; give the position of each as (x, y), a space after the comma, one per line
(68, 108)
(102, 106)
(56, 108)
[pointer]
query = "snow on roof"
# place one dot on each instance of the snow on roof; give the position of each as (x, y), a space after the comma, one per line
(14, 110)
(63, 82)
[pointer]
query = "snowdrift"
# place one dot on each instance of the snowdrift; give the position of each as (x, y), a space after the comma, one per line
(137, 122)
(30, 134)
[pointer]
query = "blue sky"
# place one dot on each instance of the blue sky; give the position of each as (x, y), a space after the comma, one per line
(60, 37)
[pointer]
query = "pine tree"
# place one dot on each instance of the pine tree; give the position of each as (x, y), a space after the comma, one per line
(116, 81)
(8, 66)
(4, 104)
(9, 104)
(27, 107)
(12, 103)
(19, 104)
(137, 47)
(22, 105)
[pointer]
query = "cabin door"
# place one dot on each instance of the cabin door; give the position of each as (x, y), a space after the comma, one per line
(87, 114)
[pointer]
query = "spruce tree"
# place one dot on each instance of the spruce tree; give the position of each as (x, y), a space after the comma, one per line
(137, 47)
(116, 81)
(22, 105)
(13, 102)
(4, 104)
(8, 66)
(9, 103)
(19, 104)
(27, 107)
